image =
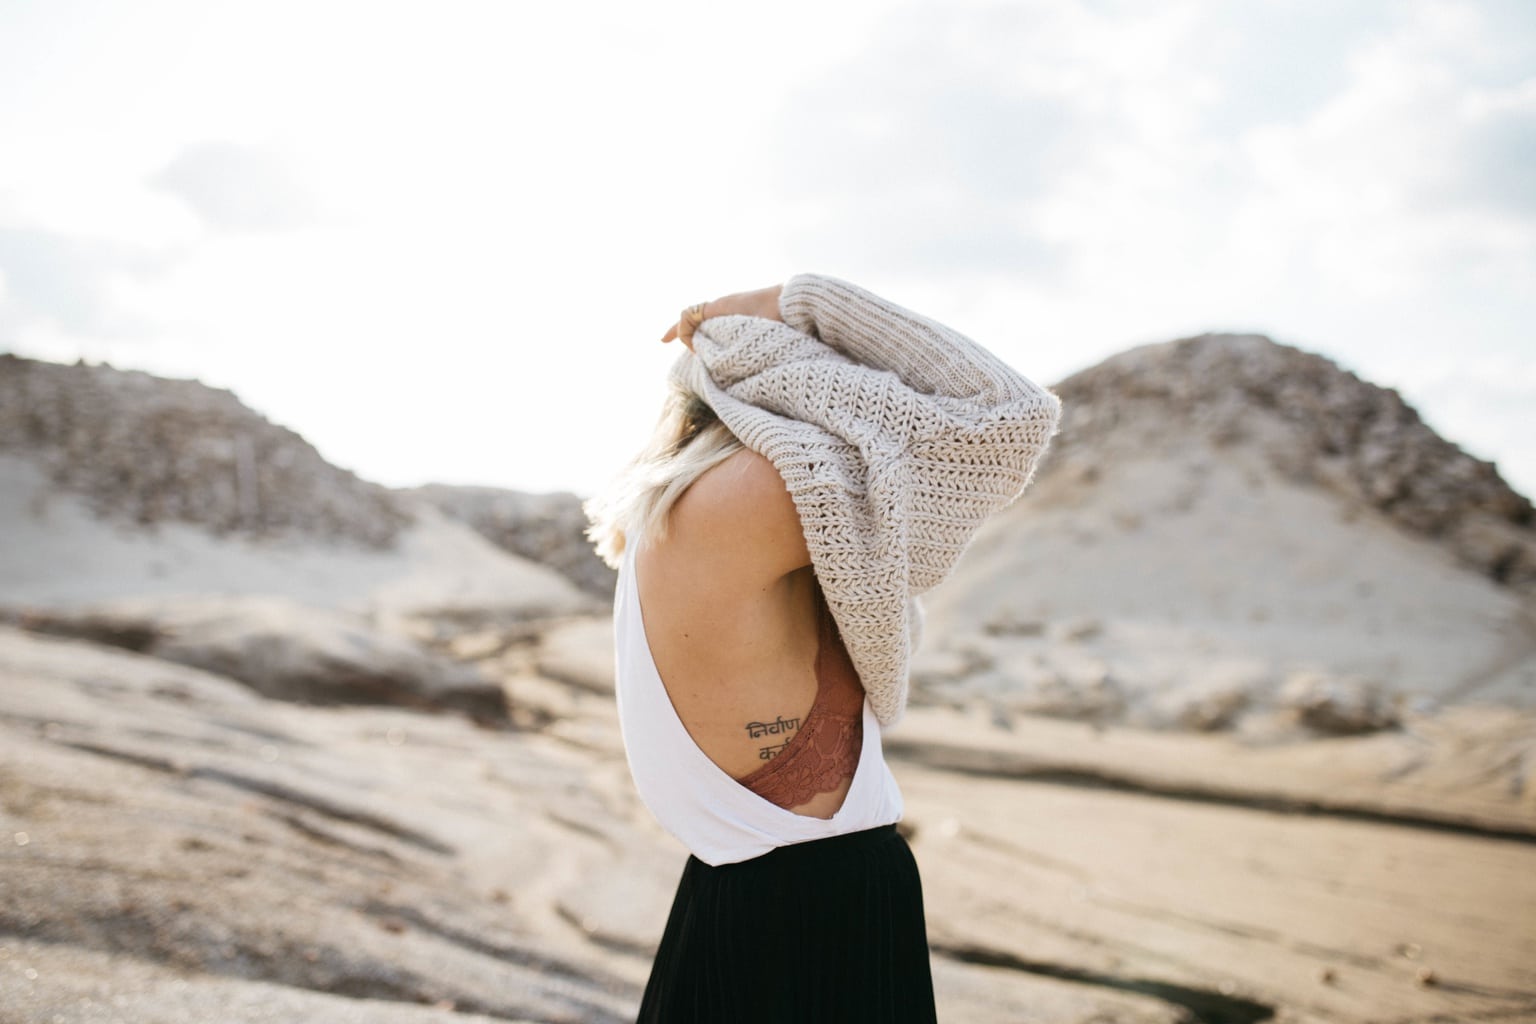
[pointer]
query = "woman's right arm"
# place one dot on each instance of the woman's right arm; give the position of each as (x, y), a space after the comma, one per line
(925, 354)
(938, 422)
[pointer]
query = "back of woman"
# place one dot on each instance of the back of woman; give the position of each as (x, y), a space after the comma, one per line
(824, 458)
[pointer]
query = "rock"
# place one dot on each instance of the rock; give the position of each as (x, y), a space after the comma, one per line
(1080, 688)
(77, 985)
(285, 651)
(578, 652)
(1209, 696)
(1007, 622)
(1340, 706)
(548, 528)
(1076, 631)
(1211, 708)
(941, 666)
(145, 450)
(1316, 422)
(1059, 866)
(1286, 514)
(1506, 549)
(192, 845)
(193, 852)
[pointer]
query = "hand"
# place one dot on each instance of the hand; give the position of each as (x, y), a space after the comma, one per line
(762, 303)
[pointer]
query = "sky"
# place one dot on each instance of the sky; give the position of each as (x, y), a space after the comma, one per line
(441, 240)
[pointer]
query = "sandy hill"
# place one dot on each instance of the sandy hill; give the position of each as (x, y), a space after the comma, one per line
(548, 528)
(1227, 527)
(144, 450)
(118, 483)
(1227, 533)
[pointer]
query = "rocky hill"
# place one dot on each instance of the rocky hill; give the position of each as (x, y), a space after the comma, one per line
(1229, 532)
(118, 485)
(1315, 423)
(548, 528)
(145, 450)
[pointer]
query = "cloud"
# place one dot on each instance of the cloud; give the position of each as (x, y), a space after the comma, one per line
(1418, 171)
(929, 147)
(1496, 135)
(1277, 63)
(1034, 137)
(66, 283)
(236, 188)
(1060, 178)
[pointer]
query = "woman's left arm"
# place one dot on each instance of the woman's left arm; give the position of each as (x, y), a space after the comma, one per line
(762, 303)
(937, 419)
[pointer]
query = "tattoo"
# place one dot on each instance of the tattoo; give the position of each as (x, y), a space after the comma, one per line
(773, 728)
(778, 727)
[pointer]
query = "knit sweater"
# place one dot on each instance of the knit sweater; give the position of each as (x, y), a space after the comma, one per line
(896, 437)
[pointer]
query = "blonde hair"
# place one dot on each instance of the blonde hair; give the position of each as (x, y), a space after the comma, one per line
(688, 440)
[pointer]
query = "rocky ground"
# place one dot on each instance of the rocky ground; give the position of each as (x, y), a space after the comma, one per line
(176, 842)
(1231, 719)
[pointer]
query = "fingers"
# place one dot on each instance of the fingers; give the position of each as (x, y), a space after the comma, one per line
(763, 303)
(687, 323)
(692, 317)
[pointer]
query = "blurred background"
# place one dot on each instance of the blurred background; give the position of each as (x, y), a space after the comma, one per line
(477, 217)
(318, 320)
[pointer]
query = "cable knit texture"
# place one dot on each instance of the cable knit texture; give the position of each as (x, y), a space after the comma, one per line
(896, 436)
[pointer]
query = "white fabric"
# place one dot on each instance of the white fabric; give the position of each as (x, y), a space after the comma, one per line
(896, 436)
(718, 819)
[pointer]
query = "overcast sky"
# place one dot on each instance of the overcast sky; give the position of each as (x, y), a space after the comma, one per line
(441, 239)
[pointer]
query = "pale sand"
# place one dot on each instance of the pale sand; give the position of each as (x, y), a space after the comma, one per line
(1172, 577)
(57, 554)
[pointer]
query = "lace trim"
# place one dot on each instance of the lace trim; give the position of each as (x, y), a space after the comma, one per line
(825, 752)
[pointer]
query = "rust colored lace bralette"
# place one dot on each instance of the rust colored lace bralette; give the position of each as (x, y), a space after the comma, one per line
(826, 750)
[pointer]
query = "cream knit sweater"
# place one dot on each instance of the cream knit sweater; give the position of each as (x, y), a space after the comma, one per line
(896, 437)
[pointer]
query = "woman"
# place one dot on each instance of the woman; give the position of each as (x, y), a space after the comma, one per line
(824, 458)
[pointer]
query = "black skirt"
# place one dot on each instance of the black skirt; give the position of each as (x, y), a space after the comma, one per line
(829, 930)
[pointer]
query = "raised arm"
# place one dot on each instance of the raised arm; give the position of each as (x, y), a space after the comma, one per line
(926, 355)
(867, 370)
(895, 437)
(961, 430)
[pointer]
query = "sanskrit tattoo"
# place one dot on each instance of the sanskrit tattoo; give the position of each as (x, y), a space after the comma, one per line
(780, 726)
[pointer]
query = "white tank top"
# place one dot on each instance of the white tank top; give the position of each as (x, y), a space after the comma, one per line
(718, 819)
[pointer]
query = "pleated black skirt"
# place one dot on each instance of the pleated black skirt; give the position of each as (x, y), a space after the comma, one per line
(825, 931)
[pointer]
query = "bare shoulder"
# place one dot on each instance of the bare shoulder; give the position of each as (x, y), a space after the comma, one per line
(740, 518)
(740, 481)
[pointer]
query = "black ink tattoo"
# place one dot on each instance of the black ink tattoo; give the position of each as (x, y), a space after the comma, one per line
(780, 726)
(770, 752)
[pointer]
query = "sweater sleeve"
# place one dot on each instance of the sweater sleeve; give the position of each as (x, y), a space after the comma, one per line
(896, 436)
(928, 427)
(871, 371)
(924, 354)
